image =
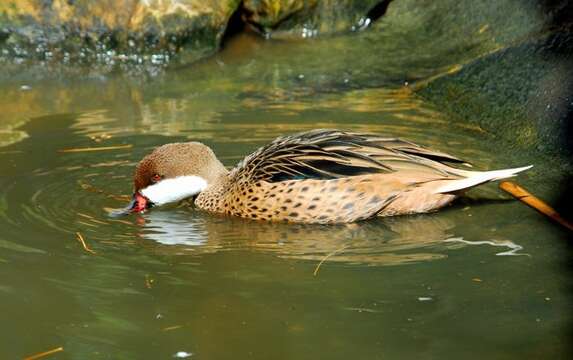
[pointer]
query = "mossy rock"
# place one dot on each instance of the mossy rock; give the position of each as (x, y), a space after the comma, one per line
(42, 29)
(521, 94)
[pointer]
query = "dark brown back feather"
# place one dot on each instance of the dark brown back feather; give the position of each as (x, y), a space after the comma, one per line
(330, 154)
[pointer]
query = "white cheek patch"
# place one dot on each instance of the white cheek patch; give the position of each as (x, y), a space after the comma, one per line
(175, 189)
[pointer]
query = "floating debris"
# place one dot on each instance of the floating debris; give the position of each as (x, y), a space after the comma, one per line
(182, 354)
(327, 256)
(44, 354)
(100, 148)
(83, 242)
(148, 281)
(425, 298)
(361, 310)
(531, 200)
(483, 29)
(174, 327)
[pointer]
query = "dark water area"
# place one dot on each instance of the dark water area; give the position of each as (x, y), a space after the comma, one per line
(484, 278)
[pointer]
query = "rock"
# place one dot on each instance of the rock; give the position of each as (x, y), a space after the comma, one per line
(522, 94)
(308, 18)
(152, 31)
(112, 30)
(518, 85)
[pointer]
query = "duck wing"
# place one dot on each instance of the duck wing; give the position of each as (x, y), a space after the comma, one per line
(331, 154)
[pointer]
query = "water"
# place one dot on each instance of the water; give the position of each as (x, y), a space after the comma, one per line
(482, 278)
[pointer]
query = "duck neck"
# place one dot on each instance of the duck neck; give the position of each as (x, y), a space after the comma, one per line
(214, 172)
(218, 182)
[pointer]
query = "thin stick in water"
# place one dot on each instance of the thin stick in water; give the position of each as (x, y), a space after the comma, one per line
(328, 256)
(44, 354)
(531, 200)
(174, 327)
(100, 148)
(83, 242)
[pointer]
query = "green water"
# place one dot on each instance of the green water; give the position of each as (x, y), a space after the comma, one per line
(483, 278)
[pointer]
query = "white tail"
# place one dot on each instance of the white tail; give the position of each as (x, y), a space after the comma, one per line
(478, 177)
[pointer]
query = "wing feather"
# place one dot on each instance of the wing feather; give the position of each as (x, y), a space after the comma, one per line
(331, 154)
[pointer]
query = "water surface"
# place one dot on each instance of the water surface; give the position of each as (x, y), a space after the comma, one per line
(452, 284)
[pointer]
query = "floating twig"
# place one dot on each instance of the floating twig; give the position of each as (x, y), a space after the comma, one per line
(83, 242)
(531, 200)
(45, 353)
(99, 148)
(327, 256)
(174, 327)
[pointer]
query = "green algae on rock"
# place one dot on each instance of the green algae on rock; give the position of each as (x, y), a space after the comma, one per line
(522, 93)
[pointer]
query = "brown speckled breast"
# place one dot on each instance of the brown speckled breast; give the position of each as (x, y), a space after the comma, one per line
(324, 201)
(309, 201)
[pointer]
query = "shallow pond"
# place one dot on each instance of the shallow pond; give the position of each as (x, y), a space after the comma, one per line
(483, 278)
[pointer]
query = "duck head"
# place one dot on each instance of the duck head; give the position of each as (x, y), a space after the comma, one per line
(171, 173)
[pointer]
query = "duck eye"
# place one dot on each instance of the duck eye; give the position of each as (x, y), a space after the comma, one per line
(156, 177)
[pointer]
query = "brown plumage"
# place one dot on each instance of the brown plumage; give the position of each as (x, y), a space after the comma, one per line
(321, 176)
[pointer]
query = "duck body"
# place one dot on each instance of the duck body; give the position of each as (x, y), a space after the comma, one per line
(321, 176)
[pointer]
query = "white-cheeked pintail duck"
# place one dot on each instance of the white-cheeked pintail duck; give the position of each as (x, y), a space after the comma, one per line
(320, 176)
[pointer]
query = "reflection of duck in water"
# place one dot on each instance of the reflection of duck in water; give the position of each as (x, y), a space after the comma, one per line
(391, 241)
(321, 176)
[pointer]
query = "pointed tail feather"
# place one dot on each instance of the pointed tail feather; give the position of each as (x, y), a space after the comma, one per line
(475, 178)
